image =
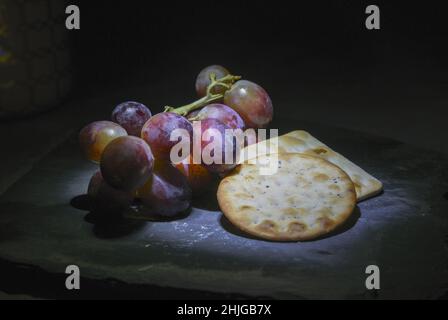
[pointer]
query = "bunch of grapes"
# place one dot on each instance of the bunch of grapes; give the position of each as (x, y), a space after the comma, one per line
(134, 150)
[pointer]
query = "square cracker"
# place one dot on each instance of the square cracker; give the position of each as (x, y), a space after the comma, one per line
(300, 141)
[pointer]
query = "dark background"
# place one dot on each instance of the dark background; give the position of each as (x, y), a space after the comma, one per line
(282, 45)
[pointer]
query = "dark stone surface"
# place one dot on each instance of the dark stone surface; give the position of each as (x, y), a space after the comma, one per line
(44, 223)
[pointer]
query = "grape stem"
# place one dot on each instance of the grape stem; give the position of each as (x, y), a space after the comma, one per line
(226, 82)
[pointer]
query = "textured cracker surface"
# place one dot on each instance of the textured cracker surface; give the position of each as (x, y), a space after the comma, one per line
(300, 141)
(307, 197)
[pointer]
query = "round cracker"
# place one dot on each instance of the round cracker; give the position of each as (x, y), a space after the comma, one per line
(306, 198)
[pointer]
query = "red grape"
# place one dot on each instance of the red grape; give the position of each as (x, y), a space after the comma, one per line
(131, 116)
(94, 137)
(197, 175)
(203, 79)
(251, 102)
(167, 192)
(213, 132)
(126, 163)
(107, 201)
(157, 130)
(223, 113)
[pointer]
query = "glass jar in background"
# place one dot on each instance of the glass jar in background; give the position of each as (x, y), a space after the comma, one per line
(35, 68)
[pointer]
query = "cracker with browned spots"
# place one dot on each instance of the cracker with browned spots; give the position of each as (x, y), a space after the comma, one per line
(300, 141)
(306, 198)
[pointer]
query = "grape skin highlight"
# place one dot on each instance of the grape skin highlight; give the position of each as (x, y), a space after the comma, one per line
(214, 129)
(157, 131)
(223, 113)
(251, 102)
(131, 116)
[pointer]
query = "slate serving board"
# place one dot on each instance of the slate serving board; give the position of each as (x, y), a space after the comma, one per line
(403, 231)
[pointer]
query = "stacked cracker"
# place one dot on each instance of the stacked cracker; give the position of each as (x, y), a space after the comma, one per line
(313, 191)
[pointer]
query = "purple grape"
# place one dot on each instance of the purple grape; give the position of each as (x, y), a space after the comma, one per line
(203, 79)
(95, 136)
(251, 102)
(223, 113)
(167, 192)
(127, 163)
(157, 131)
(214, 129)
(131, 116)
